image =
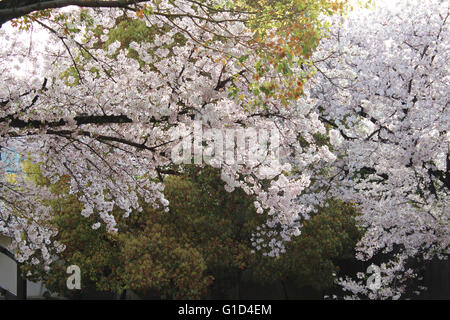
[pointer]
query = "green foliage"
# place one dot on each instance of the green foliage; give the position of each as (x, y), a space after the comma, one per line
(286, 33)
(144, 256)
(311, 259)
(202, 245)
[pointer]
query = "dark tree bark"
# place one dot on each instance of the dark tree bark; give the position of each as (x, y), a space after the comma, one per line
(13, 9)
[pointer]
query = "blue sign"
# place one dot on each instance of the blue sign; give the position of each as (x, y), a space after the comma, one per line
(10, 160)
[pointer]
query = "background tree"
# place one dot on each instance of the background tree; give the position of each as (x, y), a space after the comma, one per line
(200, 248)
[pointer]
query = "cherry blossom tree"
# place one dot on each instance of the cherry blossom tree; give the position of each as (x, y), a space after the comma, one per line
(381, 88)
(103, 94)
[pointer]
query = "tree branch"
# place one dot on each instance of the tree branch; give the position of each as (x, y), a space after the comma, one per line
(16, 9)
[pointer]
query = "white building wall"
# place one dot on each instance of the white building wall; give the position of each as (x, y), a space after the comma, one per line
(8, 274)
